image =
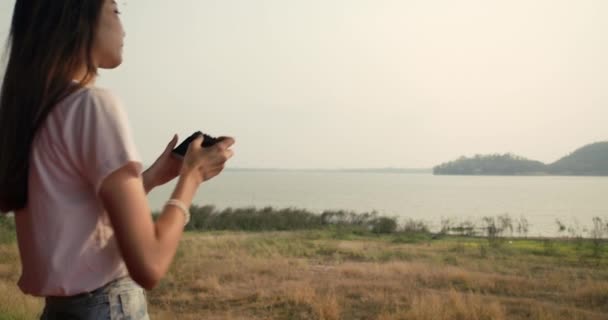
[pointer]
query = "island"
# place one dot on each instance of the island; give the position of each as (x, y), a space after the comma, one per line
(590, 160)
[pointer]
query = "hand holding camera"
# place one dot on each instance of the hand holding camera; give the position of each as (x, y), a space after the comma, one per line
(204, 156)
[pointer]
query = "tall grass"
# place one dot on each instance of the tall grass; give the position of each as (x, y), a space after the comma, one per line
(312, 274)
(293, 275)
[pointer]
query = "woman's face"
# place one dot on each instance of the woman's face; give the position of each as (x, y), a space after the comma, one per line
(108, 43)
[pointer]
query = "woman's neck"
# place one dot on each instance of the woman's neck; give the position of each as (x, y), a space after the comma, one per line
(81, 75)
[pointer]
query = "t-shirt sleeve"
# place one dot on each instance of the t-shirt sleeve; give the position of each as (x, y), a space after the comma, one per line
(103, 138)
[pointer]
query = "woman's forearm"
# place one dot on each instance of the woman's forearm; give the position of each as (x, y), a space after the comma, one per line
(169, 226)
(148, 181)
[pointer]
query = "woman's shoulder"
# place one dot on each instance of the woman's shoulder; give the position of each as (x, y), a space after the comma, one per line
(93, 95)
(92, 99)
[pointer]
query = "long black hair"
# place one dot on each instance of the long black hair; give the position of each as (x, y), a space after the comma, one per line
(49, 42)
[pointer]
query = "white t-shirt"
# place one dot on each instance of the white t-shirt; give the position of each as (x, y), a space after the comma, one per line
(65, 238)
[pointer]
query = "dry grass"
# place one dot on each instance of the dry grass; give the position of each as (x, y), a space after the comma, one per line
(14, 304)
(303, 275)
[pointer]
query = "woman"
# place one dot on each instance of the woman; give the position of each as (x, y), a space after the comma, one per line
(70, 172)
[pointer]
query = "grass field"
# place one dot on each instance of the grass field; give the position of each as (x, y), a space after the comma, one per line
(338, 274)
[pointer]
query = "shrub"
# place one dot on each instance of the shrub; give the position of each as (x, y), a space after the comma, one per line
(7, 229)
(204, 218)
(384, 225)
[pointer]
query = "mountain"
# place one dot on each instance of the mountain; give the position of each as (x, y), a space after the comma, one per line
(590, 160)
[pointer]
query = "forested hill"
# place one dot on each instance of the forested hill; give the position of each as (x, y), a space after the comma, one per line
(591, 159)
(588, 160)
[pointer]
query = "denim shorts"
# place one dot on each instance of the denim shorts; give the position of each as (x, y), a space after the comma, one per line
(119, 299)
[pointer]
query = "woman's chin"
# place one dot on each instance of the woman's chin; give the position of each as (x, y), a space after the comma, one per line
(111, 63)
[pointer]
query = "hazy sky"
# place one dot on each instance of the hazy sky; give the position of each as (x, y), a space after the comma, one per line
(365, 83)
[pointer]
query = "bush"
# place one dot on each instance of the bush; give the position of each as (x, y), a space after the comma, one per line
(415, 226)
(7, 229)
(495, 227)
(206, 218)
(384, 225)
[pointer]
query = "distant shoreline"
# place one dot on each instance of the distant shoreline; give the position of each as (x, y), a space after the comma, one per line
(407, 171)
(360, 170)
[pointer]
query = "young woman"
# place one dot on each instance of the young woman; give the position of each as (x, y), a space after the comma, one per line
(71, 173)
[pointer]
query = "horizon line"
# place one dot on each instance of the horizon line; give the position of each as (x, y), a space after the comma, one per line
(333, 169)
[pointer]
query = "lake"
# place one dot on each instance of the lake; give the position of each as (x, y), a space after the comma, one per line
(422, 196)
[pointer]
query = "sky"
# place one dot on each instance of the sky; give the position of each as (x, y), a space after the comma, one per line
(364, 83)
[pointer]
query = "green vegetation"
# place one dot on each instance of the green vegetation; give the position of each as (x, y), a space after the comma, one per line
(207, 218)
(588, 160)
(506, 164)
(488, 233)
(348, 224)
(7, 229)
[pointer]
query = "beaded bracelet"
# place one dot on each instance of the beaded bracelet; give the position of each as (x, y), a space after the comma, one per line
(178, 203)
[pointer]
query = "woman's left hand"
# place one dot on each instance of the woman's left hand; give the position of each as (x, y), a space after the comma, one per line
(164, 169)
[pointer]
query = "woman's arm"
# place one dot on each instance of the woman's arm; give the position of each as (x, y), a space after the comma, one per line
(147, 247)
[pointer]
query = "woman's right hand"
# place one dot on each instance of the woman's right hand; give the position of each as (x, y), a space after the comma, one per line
(206, 163)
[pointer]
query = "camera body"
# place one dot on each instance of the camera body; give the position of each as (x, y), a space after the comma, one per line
(208, 141)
